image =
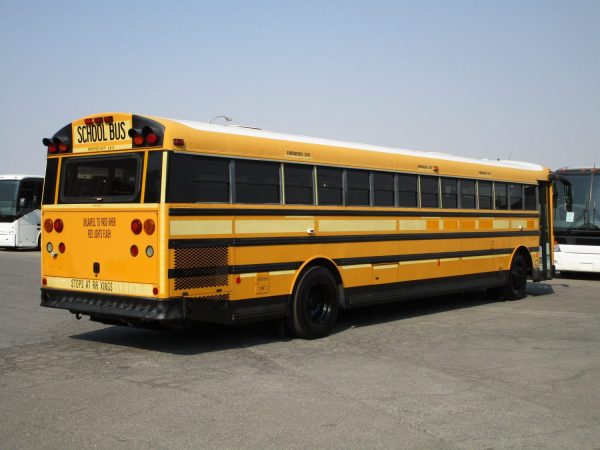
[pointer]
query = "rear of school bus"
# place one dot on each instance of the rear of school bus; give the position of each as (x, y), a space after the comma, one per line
(103, 242)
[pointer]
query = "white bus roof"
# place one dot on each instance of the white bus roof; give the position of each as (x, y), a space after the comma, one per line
(254, 132)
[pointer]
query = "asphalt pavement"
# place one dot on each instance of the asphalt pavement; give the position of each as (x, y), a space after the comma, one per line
(451, 372)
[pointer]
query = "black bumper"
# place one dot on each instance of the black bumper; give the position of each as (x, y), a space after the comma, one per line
(169, 312)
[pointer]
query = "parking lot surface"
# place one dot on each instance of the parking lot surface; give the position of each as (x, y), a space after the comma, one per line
(451, 372)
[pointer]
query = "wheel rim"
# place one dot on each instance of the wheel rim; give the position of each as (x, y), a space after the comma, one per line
(318, 303)
(518, 275)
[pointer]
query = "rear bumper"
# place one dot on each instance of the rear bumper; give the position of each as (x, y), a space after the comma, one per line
(169, 312)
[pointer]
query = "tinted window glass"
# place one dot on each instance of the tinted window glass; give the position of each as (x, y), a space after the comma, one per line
(383, 184)
(407, 190)
(197, 179)
(256, 182)
(515, 196)
(30, 193)
(298, 184)
(330, 185)
(50, 181)
(430, 192)
(467, 194)
(530, 200)
(485, 194)
(153, 176)
(357, 183)
(501, 193)
(102, 179)
(449, 193)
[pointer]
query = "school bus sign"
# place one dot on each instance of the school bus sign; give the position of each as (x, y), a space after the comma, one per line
(102, 133)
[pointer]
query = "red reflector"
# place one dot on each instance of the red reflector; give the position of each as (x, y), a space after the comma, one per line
(62, 147)
(88, 121)
(98, 119)
(136, 226)
(52, 148)
(108, 119)
(134, 250)
(48, 225)
(178, 141)
(138, 139)
(44, 281)
(58, 225)
(155, 291)
(238, 279)
(151, 139)
(149, 226)
(61, 247)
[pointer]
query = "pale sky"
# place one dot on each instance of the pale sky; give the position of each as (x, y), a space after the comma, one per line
(483, 79)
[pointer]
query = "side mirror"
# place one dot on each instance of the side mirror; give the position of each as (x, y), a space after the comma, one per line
(22, 202)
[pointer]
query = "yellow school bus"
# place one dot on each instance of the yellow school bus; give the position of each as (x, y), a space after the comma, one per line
(152, 221)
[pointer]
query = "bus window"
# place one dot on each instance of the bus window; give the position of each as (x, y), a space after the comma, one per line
(449, 193)
(515, 196)
(383, 184)
(501, 195)
(256, 182)
(153, 177)
(467, 194)
(194, 179)
(329, 181)
(357, 182)
(50, 181)
(298, 181)
(530, 197)
(430, 192)
(101, 179)
(407, 190)
(485, 194)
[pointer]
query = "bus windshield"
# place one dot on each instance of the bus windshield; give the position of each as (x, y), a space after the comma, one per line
(586, 199)
(107, 179)
(8, 200)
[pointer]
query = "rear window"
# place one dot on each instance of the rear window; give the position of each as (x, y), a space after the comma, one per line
(110, 179)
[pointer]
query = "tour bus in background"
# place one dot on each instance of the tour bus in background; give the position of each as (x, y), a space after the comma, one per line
(151, 221)
(20, 201)
(577, 226)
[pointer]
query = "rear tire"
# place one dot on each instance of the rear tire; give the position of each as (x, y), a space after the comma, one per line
(315, 304)
(517, 279)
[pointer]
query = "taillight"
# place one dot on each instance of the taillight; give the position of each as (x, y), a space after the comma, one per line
(138, 139)
(58, 225)
(61, 247)
(149, 226)
(48, 225)
(134, 250)
(136, 226)
(151, 139)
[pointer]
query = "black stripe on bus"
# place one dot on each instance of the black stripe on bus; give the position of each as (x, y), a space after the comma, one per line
(294, 265)
(336, 212)
(295, 240)
(419, 257)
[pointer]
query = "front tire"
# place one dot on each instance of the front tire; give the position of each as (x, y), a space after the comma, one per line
(315, 304)
(517, 279)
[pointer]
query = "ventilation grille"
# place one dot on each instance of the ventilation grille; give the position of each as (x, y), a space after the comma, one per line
(201, 267)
